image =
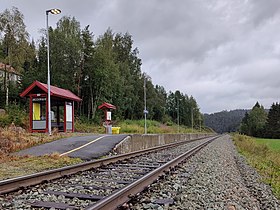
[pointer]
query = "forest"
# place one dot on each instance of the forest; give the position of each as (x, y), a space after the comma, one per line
(99, 69)
(225, 121)
(260, 123)
(257, 122)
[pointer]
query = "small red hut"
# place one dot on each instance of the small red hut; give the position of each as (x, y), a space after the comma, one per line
(62, 107)
(107, 109)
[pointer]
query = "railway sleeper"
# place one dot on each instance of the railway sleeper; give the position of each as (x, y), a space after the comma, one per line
(90, 187)
(109, 175)
(127, 167)
(75, 195)
(44, 204)
(125, 171)
(138, 166)
(113, 180)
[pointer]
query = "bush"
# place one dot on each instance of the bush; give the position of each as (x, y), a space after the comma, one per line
(16, 115)
(87, 127)
(4, 120)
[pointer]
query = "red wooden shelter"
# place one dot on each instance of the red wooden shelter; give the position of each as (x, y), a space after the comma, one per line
(62, 107)
(107, 108)
(106, 105)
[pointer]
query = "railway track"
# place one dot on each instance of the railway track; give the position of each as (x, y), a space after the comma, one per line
(101, 184)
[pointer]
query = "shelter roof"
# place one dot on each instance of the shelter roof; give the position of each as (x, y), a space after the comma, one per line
(106, 105)
(54, 91)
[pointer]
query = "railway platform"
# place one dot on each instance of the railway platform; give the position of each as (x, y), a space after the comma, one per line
(85, 147)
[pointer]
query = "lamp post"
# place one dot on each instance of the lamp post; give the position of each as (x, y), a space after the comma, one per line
(178, 117)
(54, 12)
(145, 106)
(199, 118)
(178, 113)
(192, 118)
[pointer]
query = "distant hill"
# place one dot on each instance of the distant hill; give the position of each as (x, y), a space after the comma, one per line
(225, 121)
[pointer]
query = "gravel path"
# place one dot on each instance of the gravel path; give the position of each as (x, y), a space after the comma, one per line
(216, 178)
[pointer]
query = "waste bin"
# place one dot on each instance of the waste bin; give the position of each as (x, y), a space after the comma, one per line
(116, 130)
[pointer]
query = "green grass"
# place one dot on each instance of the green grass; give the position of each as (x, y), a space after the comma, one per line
(88, 127)
(137, 127)
(263, 154)
(273, 144)
(19, 166)
(154, 127)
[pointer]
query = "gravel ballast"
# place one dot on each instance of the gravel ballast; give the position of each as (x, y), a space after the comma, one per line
(215, 178)
(88, 182)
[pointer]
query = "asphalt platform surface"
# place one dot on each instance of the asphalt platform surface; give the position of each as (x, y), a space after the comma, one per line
(84, 147)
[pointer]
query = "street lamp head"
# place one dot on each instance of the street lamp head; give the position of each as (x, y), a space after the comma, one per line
(54, 11)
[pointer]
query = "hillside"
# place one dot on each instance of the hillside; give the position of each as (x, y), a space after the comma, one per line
(225, 121)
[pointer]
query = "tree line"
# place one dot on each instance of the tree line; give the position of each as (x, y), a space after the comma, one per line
(259, 123)
(97, 69)
(225, 121)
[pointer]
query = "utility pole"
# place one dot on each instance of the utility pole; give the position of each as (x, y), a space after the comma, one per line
(192, 118)
(200, 122)
(178, 116)
(145, 105)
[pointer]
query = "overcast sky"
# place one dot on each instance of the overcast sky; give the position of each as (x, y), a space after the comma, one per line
(226, 53)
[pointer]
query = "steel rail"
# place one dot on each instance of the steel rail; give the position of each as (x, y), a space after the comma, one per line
(120, 197)
(14, 184)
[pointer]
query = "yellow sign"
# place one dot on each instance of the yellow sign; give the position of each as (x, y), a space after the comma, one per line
(36, 111)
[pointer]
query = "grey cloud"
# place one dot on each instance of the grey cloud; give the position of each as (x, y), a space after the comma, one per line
(225, 53)
(262, 11)
(171, 26)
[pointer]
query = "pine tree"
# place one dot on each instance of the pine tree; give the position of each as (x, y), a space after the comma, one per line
(273, 121)
(257, 120)
(244, 124)
(253, 124)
